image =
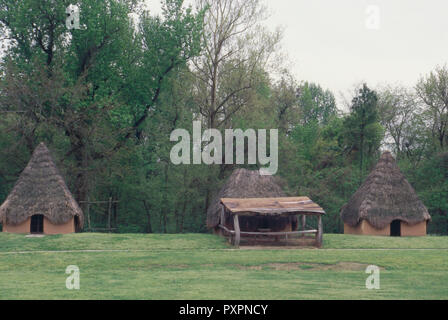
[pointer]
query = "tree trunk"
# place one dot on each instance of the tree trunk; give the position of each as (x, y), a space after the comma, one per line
(115, 211)
(81, 180)
(182, 216)
(164, 206)
(148, 215)
(362, 155)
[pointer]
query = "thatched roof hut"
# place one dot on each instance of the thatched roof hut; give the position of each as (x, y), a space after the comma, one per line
(384, 197)
(244, 183)
(40, 190)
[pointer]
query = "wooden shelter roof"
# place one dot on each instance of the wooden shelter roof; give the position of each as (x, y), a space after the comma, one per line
(272, 206)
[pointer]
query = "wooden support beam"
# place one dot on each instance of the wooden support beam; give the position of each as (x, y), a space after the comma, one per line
(303, 223)
(319, 231)
(224, 228)
(248, 233)
(276, 233)
(221, 222)
(88, 216)
(236, 225)
(223, 217)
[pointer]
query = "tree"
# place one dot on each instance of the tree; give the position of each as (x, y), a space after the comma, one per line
(316, 104)
(237, 49)
(401, 116)
(363, 132)
(96, 86)
(433, 92)
(236, 52)
(284, 100)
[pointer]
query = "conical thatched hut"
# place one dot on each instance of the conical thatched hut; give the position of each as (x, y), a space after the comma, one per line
(245, 183)
(385, 204)
(40, 201)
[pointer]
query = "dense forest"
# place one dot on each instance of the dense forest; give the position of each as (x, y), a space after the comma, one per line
(105, 97)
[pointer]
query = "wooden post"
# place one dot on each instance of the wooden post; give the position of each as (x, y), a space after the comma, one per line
(222, 222)
(319, 231)
(108, 214)
(88, 215)
(303, 224)
(236, 226)
(223, 217)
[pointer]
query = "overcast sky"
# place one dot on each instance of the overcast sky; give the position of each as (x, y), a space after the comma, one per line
(339, 43)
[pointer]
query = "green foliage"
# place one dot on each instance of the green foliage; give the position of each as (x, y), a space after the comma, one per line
(316, 104)
(432, 91)
(430, 179)
(105, 99)
(363, 132)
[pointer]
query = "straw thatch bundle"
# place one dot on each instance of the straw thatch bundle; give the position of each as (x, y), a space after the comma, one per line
(385, 196)
(40, 189)
(244, 183)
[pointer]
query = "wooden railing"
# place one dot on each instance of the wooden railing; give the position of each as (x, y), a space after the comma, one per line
(235, 237)
(282, 233)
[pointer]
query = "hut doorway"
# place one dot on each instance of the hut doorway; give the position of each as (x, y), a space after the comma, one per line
(77, 224)
(37, 223)
(395, 228)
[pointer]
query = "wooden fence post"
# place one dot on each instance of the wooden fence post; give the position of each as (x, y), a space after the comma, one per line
(88, 214)
(236, 225)
(303, 224)
(319, 231)
(222, 220)
(109, 214)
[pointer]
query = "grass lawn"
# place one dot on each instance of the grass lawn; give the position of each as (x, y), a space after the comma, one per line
(200, 266)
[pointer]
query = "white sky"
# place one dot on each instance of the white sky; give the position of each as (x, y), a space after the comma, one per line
(328, 42)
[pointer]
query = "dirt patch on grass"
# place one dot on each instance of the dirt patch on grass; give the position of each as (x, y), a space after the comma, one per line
(290, 266)
(346, 266)
(259, 247)
(168, 266)
(177, 266)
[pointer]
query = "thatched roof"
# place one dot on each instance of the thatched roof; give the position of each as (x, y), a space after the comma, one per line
(244, 183)
(385, 196)
(40, 189)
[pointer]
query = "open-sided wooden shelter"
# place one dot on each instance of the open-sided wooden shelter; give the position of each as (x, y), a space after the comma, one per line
(244, 183)
(40, 201)
(261, 208)
(385, 204)
(259, 225)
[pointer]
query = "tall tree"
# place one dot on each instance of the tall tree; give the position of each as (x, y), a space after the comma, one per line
(433, 92)
(400, 114)
(284, 101)
(363, 132)
(316, 104)
(237, 47)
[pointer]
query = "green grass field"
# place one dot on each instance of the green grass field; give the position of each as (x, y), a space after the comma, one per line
(200, 266)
